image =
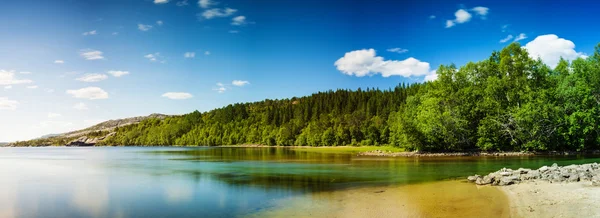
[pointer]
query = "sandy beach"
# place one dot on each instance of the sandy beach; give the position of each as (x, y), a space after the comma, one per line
(543, 199)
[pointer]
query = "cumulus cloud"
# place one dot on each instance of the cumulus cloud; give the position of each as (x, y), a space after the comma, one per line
(182, 3)
(90, 54)
(432, 17)
(206, 3)
(365, 63)
(220, 88)
(463, 16)
(91, 93)
(25, 72)
(89, 33)
(431, 76)
(92, 77)
(59, 62)
(7, 87)
(177, 95)
(144, 27)
(7, 104)
(217, 12)
(239, 82)
(161, 1)
(238, 21)
(9, 78)
(550, 48)
(398, 50)
(159, 22)
(117, 73)
(506, 39)
(189, 55)
(520, 37)
(80, 106)
(53, 115)
(32, 87)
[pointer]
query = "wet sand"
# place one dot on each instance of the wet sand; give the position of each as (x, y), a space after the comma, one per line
(436, 199)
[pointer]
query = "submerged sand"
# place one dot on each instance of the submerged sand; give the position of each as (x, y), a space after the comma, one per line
(436, 199)
(543, 199)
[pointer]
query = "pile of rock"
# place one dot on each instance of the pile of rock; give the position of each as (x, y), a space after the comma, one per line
(552, 174)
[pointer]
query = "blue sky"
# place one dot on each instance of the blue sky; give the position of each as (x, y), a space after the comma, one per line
(57, 58)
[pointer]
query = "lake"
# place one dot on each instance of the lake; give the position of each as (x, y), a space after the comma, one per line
(243, 182)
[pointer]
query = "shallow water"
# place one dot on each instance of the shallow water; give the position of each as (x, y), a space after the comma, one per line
(226, 182)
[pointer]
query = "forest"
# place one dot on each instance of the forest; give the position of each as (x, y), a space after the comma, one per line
(508, 102)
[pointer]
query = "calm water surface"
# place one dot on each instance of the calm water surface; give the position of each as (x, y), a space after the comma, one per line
(207, 182)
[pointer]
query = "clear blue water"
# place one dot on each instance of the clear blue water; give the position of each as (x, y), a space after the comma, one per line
(207, 182)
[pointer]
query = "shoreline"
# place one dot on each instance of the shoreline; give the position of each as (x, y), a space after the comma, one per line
(368, 151)
(550, 191)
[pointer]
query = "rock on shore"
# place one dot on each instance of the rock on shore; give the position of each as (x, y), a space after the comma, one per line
(552, 174)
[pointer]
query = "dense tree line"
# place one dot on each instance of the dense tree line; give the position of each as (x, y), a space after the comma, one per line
(508, 102)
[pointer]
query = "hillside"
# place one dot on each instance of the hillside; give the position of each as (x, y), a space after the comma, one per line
(87, 136)
(508, 102)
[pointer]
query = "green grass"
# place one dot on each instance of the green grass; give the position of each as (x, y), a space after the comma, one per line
(350, 149)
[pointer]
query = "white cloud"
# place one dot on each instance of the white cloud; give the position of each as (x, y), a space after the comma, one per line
(53, 115)
(520, 37)
(206, 3)
(89, 33)
(364, 63)
(432, 17)
(177, 95)
(508, 38)
(505, 27)
(91, 93)
(154, 57)
(398, 50)
(482, 11)
(9, 78)
(220, 88)
(90, 54)
(59, 62)
(238, 21)
(218, 12)
(189, 55)
(550, 48)
(25, 72)
(207, 53)
(144, 27)
(81, 106)
(432, 76)
(7, 104)
(182, 3)
(159, 22)
(32, 87)
(161, 1)
(462, 16)
(239, 82)
(49, 90)
(7, 87)
(117, 73)
(92, 77)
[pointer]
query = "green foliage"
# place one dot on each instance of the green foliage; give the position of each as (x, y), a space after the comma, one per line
(508, 102)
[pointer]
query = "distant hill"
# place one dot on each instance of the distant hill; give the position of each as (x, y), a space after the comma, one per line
(88, 136)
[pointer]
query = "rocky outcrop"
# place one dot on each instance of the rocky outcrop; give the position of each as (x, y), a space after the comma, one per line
(88, 141)
(553, 174)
